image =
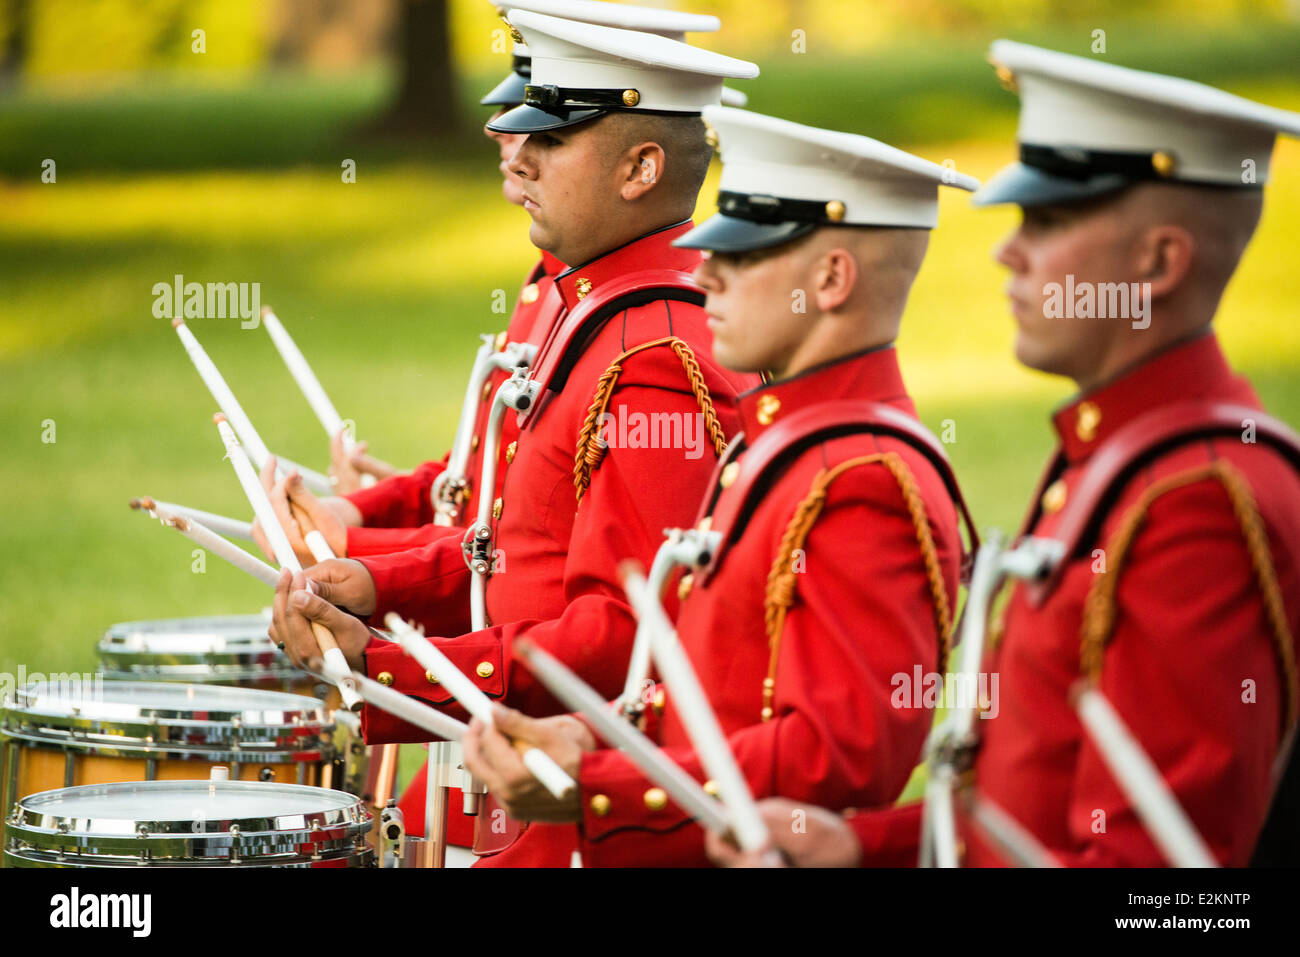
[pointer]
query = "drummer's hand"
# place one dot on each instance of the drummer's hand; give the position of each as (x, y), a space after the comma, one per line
(296, 608)
(346, 469)
(807, 836)
(491, 757)
(344, 582)
(280, 505)
(347, 513)
(318, 514)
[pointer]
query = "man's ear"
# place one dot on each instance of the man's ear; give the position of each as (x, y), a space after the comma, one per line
(835, 274)
(643, 167)
(1165, 258)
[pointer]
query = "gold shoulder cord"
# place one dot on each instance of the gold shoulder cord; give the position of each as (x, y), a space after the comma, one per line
(590, 452)
(781, 577)
(1099, 609)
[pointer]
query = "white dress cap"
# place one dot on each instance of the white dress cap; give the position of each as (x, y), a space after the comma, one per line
(1088, 128)
(781, 180)
(581, 71)
(672, 24)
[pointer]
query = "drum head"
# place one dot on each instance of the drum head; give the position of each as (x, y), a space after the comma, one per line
(126, 700)
(226, 649)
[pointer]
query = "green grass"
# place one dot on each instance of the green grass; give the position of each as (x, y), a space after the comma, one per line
(385, 283)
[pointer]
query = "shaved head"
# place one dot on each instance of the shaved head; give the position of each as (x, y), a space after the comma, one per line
(686, 152)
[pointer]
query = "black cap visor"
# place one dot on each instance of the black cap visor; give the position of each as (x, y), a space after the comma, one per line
(1028, 186)
(509, 92)
(731, 234)
(534, 119)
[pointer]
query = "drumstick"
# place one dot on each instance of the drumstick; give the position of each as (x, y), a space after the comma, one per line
(234, 412)
(205, 537)
(540, 764)
(409, 710)
(229, 527)
(696, 714)
(335, 664)
(641, 751)
(1139, 778)
(311, 388)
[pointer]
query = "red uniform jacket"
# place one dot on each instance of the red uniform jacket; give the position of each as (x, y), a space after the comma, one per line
(1191, 665)
(556, 575)
(863, 612)
(397, 513)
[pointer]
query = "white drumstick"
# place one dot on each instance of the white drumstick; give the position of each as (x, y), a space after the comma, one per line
(310, 386)
(696, 713)
(235, 414)
(229, 527)
(409, 710)
(335, 664)
(203, 536)
(1139, 778)
(540, 764)
(579, 696)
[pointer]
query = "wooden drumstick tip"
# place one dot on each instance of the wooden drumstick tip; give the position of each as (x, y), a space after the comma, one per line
(629, 566)
(266, 310)
(219, 418)
(177, 322)
(136, 504)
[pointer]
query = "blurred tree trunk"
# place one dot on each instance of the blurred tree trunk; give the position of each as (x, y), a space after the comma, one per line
(14, 49)
(426, 101)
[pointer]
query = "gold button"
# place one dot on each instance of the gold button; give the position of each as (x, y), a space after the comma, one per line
(766, 714)
(485, 669)
(530, 294)
(473, 444)
(487, 390)
(428, 676)
(631, 97)
(661, 698)
(1086, 419)
(1053, 499)
(684, 587)
(385, 678)
(1163, 163)
(729, 473)
(582, 286)
(600, 804)
(834, 210)
(711, 788)
(510, 452)
(497, 507)
(656, 799)
(768, 407)
(500, 341)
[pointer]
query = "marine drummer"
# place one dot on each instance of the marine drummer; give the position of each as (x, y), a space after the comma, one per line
(839, 548)
(612, 118)
(1177, 496)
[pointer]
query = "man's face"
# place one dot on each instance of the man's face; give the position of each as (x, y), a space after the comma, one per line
(752, 306)
(1088, 241)
(570, 188)
(508, 144)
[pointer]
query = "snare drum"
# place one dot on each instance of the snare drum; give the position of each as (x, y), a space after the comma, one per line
(188, 824)
(217, 649)
(54, 737)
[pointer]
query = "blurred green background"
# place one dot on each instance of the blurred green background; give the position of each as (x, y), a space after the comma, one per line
(225, 165)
